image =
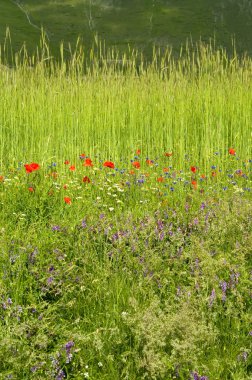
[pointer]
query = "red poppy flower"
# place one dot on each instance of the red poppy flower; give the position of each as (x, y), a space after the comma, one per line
(168, 154)
(28, 168)
(194, 183)
(31, 189)
(1, 178)
(136, 164)
(34, 166)
(88, 162)
(67, 200)
(86, 179)
(149, 162)
(214, 174)
(193, 169)
(138, 152)
(31, 167)
(239, 172)
(54, 174)
(160, 179)
(203, 176)
(109, 164)
(131, 172)
(67, 162)
(82, 156)
(65, 187)
(165, 170)
(232, 151)
(72, 168)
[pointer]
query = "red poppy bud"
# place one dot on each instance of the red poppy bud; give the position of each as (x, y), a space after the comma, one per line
(67, 200)
(194, 183)
(232, 151)
(86, 179)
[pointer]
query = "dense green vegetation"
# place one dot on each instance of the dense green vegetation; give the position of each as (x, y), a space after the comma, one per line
(140, 23)
(125, 215)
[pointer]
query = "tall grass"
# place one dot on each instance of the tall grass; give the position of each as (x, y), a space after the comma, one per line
(98, 101)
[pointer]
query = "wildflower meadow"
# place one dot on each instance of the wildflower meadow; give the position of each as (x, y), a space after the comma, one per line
(125, 214)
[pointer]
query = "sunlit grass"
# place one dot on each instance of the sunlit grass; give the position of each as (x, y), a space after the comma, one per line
(99, 102)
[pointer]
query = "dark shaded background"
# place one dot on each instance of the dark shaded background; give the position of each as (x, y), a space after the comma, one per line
(139, 23)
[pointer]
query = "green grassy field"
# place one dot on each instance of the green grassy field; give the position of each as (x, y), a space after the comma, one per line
(133, 22)
(125, 204)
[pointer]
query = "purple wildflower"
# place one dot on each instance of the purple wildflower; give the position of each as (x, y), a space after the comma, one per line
(224, 287)
(55, 228)
(202, 206)
(161, 236)
(68, 346)
(196, 376)
(234, 279)
(60, 375)
(34, 368)
(115, 236)
(83, 223)
(33, 255)
(212, 298)
(244, 356)
(160, 225)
